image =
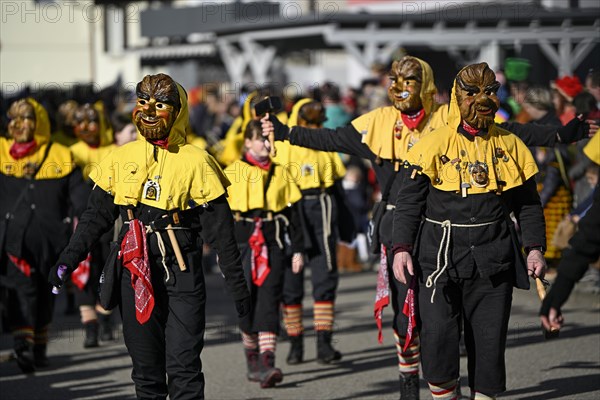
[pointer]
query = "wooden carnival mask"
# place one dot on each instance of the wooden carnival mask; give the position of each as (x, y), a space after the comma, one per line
(87, 124)
(157, 106)
(405, 88)
(22, 121)
(476, 88)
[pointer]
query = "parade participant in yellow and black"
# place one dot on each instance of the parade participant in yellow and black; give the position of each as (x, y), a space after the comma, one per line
(269, 234)
(95, 136)
(315, 172)
(584, 249)
(40, 187)
(173, 196)
(384, 137)
(463, 180)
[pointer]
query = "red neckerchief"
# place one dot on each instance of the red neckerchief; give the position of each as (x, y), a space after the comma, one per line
(20, 150)
(382, 297)
(257, 163)
(134, 253)
(81, 275)
(260, 255)
(21, 264)
(163, 143)
(469, 129)
(413, 120)
(410, 310)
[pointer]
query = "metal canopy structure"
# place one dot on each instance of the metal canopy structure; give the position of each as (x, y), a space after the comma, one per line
(565, 37)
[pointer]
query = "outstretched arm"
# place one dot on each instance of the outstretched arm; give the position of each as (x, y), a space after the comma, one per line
(344, 140)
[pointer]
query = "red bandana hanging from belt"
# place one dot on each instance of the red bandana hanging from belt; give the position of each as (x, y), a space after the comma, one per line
(81, 275)
(382, 298)
(260, 255)
(134, 252)
(410, 311)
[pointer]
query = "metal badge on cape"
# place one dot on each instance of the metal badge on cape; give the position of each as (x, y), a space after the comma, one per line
(151, 189)
(479, 172)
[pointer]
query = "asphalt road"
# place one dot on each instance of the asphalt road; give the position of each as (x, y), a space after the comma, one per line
(565, 368)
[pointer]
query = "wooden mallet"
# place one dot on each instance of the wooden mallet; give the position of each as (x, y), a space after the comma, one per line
(269, 104)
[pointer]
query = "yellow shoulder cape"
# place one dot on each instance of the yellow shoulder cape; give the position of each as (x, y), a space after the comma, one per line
(309, 169)
(187, 176)
(58, 163)
(592, 149)
(247, 191)
(445, 154)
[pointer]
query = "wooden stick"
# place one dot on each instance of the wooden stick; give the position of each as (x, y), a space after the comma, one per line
(176, 248)
(273, 151)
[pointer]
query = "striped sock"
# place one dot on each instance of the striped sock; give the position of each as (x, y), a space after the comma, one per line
(23, 332)
(408, 361)
(323, 311)
(292, 319)
(481, 396)
(267, 341)
(444, 390)
(250, 341)
(40, 336)
(88, 314)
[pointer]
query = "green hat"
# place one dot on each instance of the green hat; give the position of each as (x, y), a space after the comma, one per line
(516, 69)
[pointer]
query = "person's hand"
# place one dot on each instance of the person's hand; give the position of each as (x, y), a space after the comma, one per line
(297, 263)
(536, 264)
(553, 321)
(574, 131)
(402, 260)
(58, 276)
(271, 125)
(244, 313)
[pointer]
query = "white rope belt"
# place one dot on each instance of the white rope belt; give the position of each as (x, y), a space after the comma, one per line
(276, 219)
(161, 244)
(326, 212)
(445, 245)
(161, 247)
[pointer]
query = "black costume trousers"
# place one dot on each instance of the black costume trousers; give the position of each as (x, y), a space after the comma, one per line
(267, 297)
(321, 254)
(484, 306)
(165, 350)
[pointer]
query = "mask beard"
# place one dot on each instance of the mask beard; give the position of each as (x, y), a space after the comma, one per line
(152, 127)
(157, 123)
(22, 125)
(477, 110)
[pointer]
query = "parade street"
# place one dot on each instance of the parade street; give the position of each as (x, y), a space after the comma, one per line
(563, 368)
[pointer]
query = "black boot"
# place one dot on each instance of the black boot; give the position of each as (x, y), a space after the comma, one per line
(91, 334)
(325, 353)
(409, 386)
(253, 374)
(24, 355)
(269, 375)
(296, 354)
(106, 327)
(40, 359)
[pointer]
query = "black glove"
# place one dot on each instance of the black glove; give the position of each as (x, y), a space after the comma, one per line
(244, 312)
(282, 132)
(574, 131)
(558, 295)
(58, 276)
